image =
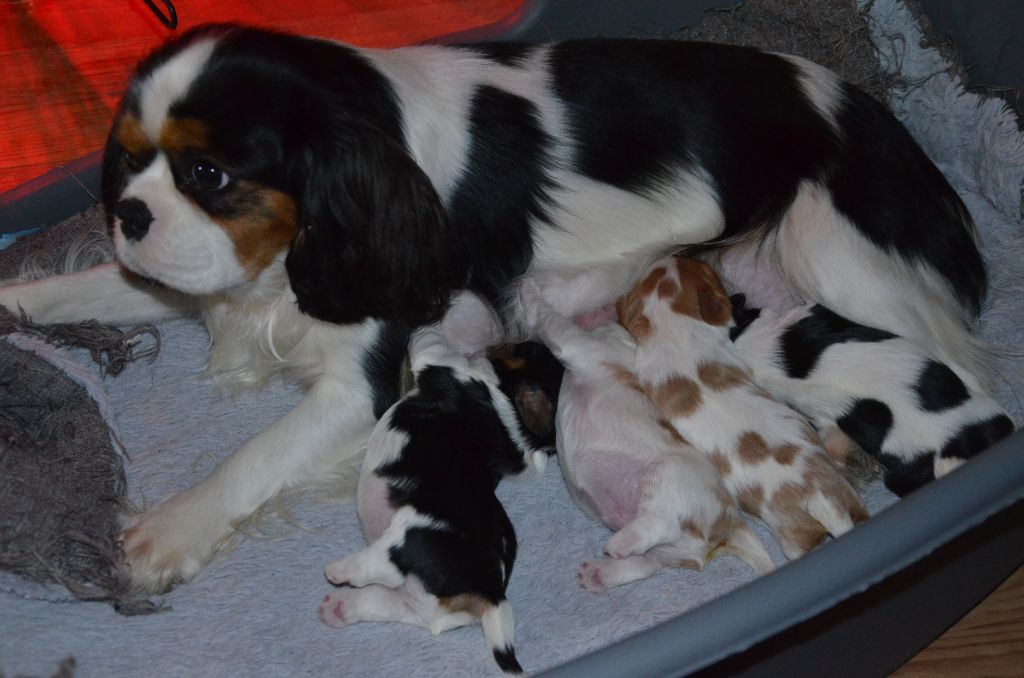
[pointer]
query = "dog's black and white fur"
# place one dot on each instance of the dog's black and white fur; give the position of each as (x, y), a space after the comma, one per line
(870, 388)
(441, 546)
(249, 170)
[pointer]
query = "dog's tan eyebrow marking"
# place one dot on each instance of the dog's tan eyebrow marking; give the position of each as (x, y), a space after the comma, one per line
(179, 134)
(132, 137)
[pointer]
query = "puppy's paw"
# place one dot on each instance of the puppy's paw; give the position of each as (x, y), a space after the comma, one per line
(589, 576)
(171, 542)
(332, 609)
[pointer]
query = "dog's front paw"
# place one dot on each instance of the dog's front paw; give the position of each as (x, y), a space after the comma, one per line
(333, 609)
(171, 542)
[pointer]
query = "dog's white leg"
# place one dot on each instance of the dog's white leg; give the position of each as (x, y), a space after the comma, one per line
(373, 564)
(104, 293)
(373, 604)
(597, 575)
(642, 534)
(172, 541)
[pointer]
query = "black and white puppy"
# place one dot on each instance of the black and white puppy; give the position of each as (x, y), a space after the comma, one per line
(441, 545)
(868, 387)
(276, 184)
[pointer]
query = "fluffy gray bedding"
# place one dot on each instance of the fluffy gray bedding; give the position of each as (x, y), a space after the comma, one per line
(254, 612)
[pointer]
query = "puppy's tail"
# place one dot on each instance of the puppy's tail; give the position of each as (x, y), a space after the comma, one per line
(499, 631)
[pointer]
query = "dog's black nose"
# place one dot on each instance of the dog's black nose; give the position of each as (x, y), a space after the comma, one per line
(135, 218)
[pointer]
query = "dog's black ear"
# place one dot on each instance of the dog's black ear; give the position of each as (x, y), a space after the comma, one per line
(374, 240)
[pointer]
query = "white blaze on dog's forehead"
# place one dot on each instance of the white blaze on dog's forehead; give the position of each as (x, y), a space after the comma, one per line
(821, 87)
(168, 84)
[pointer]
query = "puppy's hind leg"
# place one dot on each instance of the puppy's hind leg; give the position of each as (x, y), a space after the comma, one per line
(604, 573)
(373, 564)
(373, 603)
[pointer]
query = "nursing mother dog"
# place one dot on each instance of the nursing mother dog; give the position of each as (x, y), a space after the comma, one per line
(312, 202)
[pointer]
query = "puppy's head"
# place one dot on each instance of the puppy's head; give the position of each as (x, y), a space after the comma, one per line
(530, 375)
(235, 147)
(688, 286)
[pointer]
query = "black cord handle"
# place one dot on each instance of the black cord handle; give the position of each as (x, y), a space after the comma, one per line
(170, 19)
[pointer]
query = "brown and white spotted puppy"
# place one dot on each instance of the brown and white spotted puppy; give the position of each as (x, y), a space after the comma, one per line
(625, 465)
(771, 460)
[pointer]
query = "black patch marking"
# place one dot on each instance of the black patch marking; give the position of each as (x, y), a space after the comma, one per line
(742, 315)
(938, 388)
(903, 477)
(978, 437)
(867, 423)
(382, 365)
(803, 342)
(641, 111)
(895, 197)
(503, 189)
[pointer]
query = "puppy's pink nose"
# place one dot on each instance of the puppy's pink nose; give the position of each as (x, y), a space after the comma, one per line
(135, 218)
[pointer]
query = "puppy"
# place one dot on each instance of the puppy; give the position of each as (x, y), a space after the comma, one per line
(625, 465)
(441, 545)
(770, 458)
(863, 386)
(312, 202)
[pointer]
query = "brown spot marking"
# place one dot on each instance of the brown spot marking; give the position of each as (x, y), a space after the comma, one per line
(753, 448)
(630, 311)
(264, 223)
(719, 376)
(691, 528)
(667, 288)
(630, 306)
(672, 432)
(472, 603)
(623, 376)
(805, 537)
(132, 137)
(679, 396)
(790, 496)
(181, 134)
(705, 290)
(785, 454)
(751, 499)
(651, 281)
(720, 462)
(689, 564)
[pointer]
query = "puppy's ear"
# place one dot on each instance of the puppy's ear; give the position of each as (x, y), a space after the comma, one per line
(713, 302)
(374, 240)
(715, 308)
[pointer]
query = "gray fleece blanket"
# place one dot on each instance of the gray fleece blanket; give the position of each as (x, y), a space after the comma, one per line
(254, 612)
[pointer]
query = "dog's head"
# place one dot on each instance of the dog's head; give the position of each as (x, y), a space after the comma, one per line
(235, 147)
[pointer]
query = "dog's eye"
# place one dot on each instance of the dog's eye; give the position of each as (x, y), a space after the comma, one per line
(132, 161)
(209, 177)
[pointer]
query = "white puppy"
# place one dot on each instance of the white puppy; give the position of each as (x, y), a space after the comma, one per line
(625, 464)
